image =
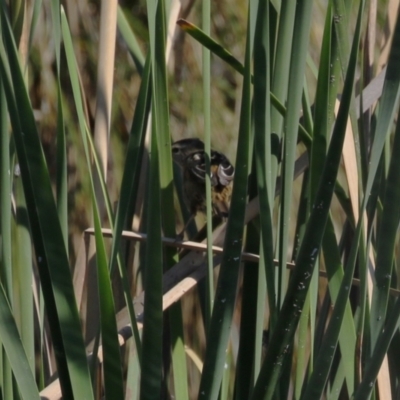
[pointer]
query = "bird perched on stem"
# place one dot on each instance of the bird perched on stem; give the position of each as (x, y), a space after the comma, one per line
(190, 156)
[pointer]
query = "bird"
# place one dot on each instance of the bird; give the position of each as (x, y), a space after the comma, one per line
(189, 155)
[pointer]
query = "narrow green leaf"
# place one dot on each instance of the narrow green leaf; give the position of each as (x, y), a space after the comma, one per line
(113, 381)
(130, 40)
(209, 295)
(62, 184)
(130, 179)
(218, 333)
(263, 148)
(296, 78)
(324, 359)
(218, 50)
(6, 266)
(280, 73)
(151, 377)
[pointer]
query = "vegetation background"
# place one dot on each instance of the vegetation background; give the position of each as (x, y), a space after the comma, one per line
(92, 94)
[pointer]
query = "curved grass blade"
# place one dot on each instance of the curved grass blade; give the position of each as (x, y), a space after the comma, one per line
(218, 50)
(47, 235)
(211, 44)
(130, 40)
(218, 333)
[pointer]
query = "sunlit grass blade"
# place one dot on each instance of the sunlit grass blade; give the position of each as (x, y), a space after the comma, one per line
(219, 51)
(218, 332)
(46, 231)
(130, 40)
(211, 44)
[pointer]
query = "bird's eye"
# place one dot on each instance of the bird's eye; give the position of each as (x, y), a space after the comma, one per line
(175, 150)
(196, 157)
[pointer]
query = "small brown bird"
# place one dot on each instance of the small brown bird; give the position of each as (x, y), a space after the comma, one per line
(189, 155)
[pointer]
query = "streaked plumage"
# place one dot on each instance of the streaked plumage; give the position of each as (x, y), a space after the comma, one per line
(189, 155)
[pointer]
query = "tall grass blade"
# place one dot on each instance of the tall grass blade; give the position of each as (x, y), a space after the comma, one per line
(130, 179)
(296, 79)
(62, 184)
(219, 51)
(151, 377)
(263, 148)
(47, 235)
(218, 332)
(113, 381)
(280, 65)
(130, 40)
(209, 295)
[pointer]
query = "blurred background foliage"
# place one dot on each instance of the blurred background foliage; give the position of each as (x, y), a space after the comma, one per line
(228, 27)
(185, 89)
